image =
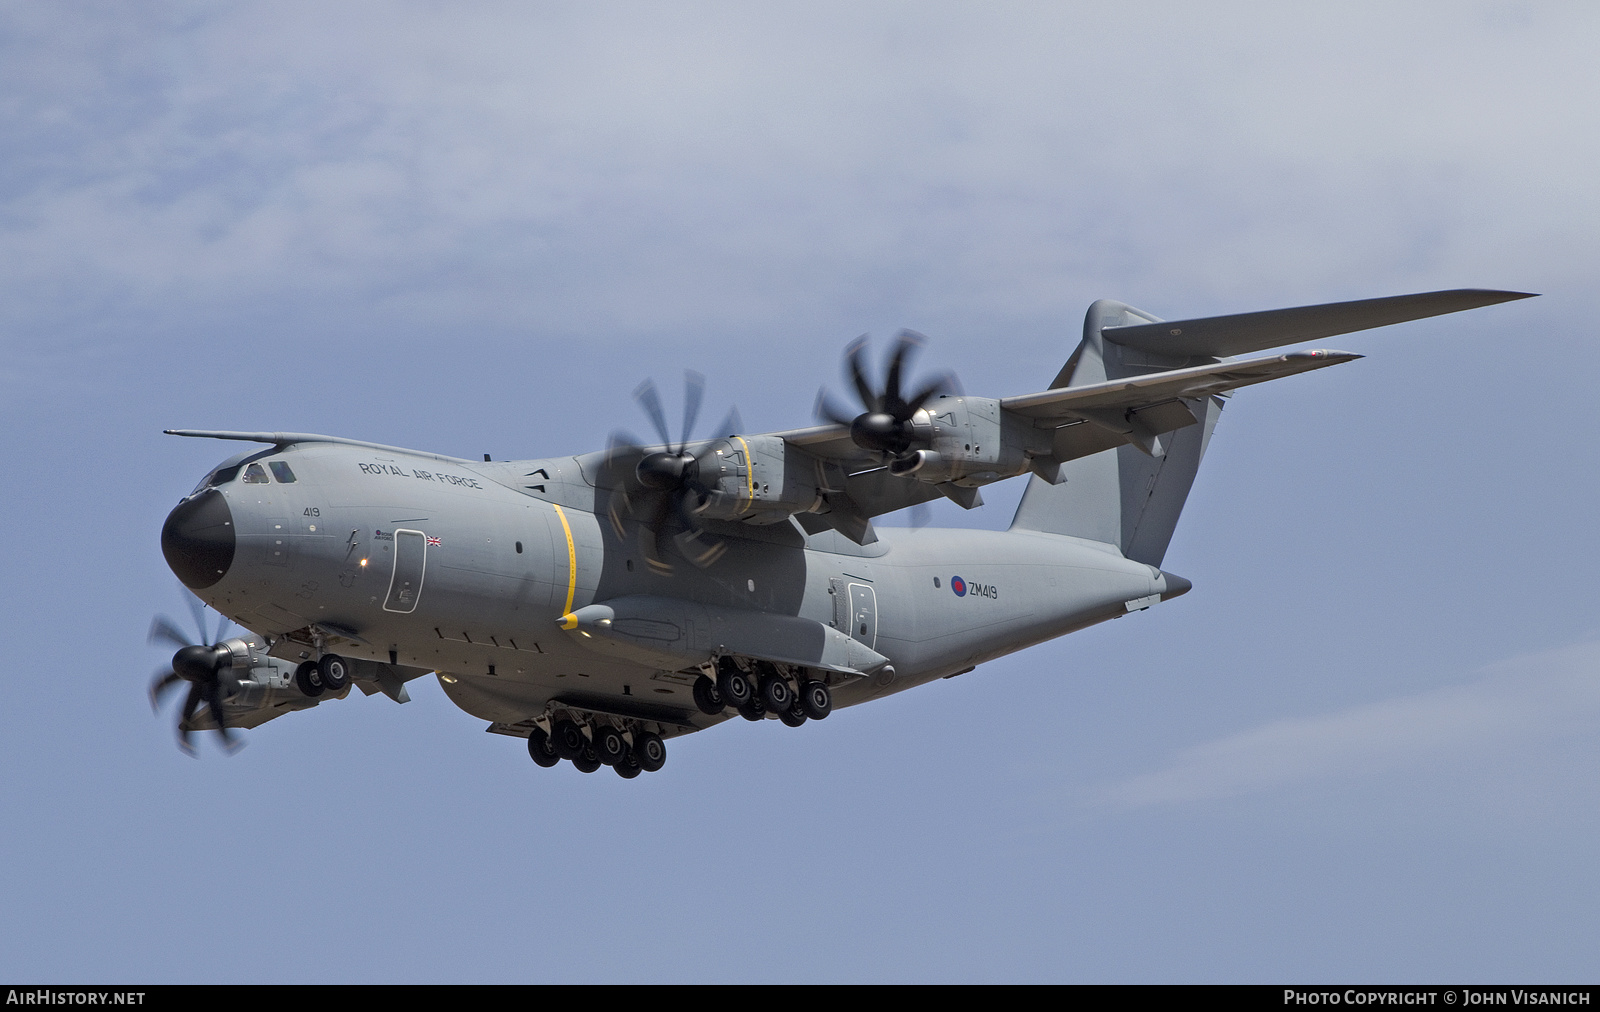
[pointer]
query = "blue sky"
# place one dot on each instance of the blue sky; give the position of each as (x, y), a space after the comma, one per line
(1363, 748)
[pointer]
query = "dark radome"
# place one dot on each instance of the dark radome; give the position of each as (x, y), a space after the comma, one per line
(198, 539)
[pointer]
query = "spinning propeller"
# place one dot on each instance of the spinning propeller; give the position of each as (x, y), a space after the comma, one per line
(662, 488)
(203, 665)
(885, 425)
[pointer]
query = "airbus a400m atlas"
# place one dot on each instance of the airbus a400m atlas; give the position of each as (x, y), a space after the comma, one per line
(598, 605)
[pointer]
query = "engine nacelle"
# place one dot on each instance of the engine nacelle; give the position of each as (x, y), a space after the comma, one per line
(757, 480)
(969, 441)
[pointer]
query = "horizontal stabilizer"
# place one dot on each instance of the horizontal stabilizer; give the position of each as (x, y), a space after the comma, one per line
(1223, 336)
(1199, 381)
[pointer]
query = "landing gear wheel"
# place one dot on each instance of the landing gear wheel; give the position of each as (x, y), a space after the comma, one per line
(753, 710)
(735, 686)
(587, 762)
(567, 740)
(609, 744)
(628, 767)
(540, 749)
(816, 700)
(708, 697)
(308, 679)
(335, 672)
(649, 750)
(793, 716)
(776, 695)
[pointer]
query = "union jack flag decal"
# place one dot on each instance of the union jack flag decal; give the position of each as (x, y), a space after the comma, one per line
(433, 542)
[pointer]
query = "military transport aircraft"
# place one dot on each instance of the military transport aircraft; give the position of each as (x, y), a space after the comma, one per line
(600, 604)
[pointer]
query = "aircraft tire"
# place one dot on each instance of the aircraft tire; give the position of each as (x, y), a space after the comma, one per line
(776, 695)
(753, 710)
(540, 750)
(589, 761)
(609, 744)
(628, 767)
(816, 700)
(335, 672)
(308, 680)
(708, 697)
(567, 740)
(649, 750)
(794, 716)
(735, 687)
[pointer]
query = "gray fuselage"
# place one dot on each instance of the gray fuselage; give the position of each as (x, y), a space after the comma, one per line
(467, 570)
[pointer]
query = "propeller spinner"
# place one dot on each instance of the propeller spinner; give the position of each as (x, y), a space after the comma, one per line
(886, 424)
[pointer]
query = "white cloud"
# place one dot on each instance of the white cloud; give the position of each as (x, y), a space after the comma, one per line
(1534, 699)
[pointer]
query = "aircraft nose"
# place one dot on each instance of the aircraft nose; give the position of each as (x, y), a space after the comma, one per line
(198, 539)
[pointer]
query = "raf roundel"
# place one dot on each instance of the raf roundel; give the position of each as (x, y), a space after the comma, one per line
(958, 585)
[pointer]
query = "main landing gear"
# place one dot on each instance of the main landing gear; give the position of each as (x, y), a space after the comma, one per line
(760, 691)
(603, 745)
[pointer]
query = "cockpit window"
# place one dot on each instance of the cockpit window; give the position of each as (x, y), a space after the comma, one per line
(280, 471)
(221, 476)
(255, 474)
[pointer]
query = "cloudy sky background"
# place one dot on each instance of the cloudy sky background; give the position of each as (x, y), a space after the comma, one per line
(1364, 748)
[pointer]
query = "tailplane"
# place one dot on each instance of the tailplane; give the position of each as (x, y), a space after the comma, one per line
(1130, 496)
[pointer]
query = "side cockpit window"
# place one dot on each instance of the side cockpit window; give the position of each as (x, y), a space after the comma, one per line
(280, 471)
(221, 476)
(255, 474)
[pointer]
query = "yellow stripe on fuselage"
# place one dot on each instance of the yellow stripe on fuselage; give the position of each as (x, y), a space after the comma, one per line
(572, 570)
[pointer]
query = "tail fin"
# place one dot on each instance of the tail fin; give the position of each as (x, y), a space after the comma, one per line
(1123, 496)
(1131, 500)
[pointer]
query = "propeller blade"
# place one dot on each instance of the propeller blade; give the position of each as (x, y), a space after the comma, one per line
(223, 624)
(828, 410)
(655, 554)
(197, 608)
(920, 515)
(689, 542)
(694, 388)
(651, 402)
(190, 704)
(731, 425)
(618, 499)
(906, 342)
(942, 384)
(162, 629)
(213, 699)
(858, 376)
(163, 681)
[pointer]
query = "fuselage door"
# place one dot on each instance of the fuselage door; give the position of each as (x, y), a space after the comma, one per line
(864, 613)
(410, 558)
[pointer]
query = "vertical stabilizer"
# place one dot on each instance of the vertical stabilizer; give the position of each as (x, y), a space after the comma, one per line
(1123, 497)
